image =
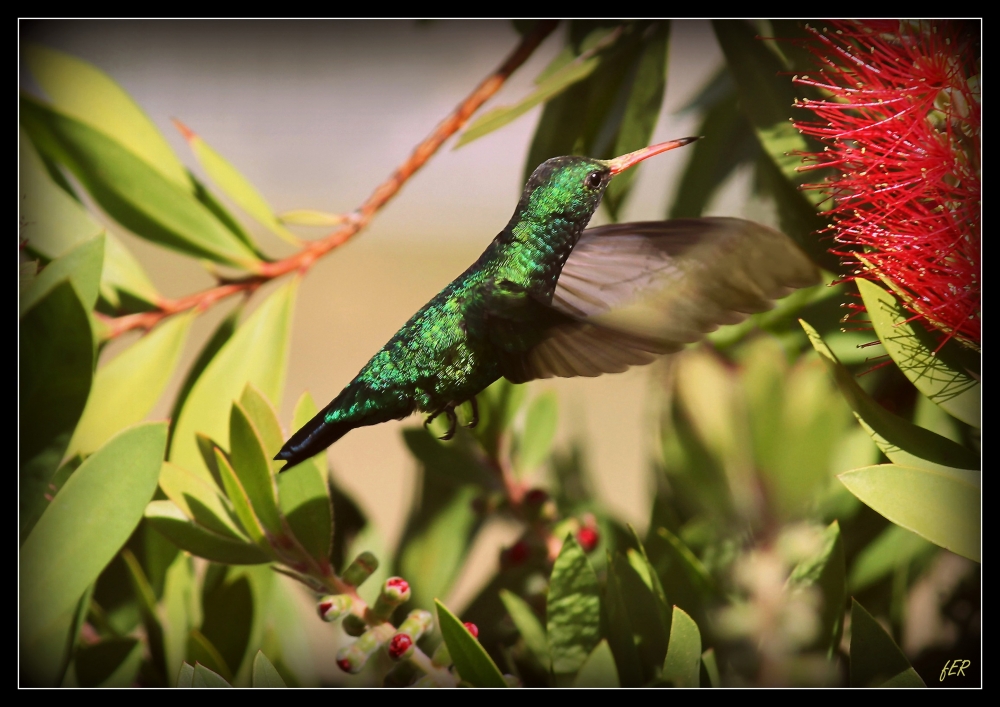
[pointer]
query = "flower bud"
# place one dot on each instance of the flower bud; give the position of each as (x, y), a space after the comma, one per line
(473, 629)
(333, 606)
(400, 646)
(354, 625)
(588, 538)
(352, 658)
(394, 592)
(361, 569)
(409, 632)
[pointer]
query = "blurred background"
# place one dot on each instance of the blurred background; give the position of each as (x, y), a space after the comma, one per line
(316, 114)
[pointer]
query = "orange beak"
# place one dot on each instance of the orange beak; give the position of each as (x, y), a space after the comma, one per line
(620, 164)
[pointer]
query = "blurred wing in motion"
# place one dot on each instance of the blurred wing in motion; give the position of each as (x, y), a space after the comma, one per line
(632, 291)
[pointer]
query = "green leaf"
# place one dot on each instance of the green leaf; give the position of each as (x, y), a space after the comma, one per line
(710, 670)
(875, 657)
(264, 674)
(229, 615)
(472, 661)
(304, 499)
(935, 374)
(261, 413)
(146, 599)
(242, 505)
(573, 609)
(599, 669)
(83, 528)
(940, 505)
(433, 554)
(648, 620)
(185, 678)
(88, 94)
(203, 677)
(127, 388)
(257, 353)
(171, 521)
(902, 441)
(682, 664)
(234, 185)
(528, 626)
(200, 500)
(114, 662)
(252, 465)
(180, 611)
(894, 547)
(539, 431)
(449, 461)
(122, 274)
(618, 628)
(138, 196)
(81, 265)
(827, 572)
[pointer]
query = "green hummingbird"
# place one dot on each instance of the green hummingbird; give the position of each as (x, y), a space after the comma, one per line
(549, 298)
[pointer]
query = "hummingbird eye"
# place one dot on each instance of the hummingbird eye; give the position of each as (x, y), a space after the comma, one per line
(594, 180)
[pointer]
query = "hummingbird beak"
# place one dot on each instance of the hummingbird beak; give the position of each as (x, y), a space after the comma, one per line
(620, 164)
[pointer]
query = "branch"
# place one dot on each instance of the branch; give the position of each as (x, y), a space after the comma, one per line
(358, 220)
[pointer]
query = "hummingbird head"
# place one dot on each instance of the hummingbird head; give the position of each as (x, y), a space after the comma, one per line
(564, 192)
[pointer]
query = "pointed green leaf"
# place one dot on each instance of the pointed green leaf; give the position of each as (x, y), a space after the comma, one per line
(56, 366)
(528, 626)
(940, 505)
(203, 677)
(230, 611)
(683, 661)
(81, 265)
(827, 572)
(648, 622)
(185, 677)
(146, 599)
(234, 185)
(539, 431)
(875, 657)
(894, 547)
(472, 661)
(304, 499)
(261, 413)
(200, 500)
(180, 610)
(935, 374)
(114, 662)
(252, 465)
(432, 555)
(902, 441)
(88, 94)
(264, 674)
(599, 669)
(710, 669)
(172, 523)
(242, 505)
(127, 388)
(573, 609)
(257, 353)
(84, 527)
(138, 196)
(122, 273)
(618, 628)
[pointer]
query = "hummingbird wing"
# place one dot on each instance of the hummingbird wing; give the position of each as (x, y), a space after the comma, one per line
(630, 292)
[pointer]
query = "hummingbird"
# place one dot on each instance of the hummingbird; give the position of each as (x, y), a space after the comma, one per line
(550, 297)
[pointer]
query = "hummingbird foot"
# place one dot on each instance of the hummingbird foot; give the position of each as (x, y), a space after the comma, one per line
(449, 411)
(475, 413)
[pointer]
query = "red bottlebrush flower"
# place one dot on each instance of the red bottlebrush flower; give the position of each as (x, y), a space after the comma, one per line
(473, 629)
(399, 645)
(588, 538)
(901, 127)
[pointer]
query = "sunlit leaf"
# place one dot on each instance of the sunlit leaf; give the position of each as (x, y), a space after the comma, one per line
(875, 657)
(894, 547)
(257, 353)
(82, 529)
(200, 500)
(472, 661)
(260, 411)
(138, 196)
(234, 185)
(127, 388)
(88, 94)
(171, 521)
(941, 505)
(180, 611)
(936, 374)
(683, 661)
(573, 609)
(902, 441)
(81, 265)
(599, 669)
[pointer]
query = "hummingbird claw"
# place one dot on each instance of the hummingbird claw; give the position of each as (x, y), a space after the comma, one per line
(452, 423)
(475, 413)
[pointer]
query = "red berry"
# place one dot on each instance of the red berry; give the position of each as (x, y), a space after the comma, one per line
(588, 539)
(517, 553)
(397, 583)
(344, 664)
(399, 644)
(473, 629)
